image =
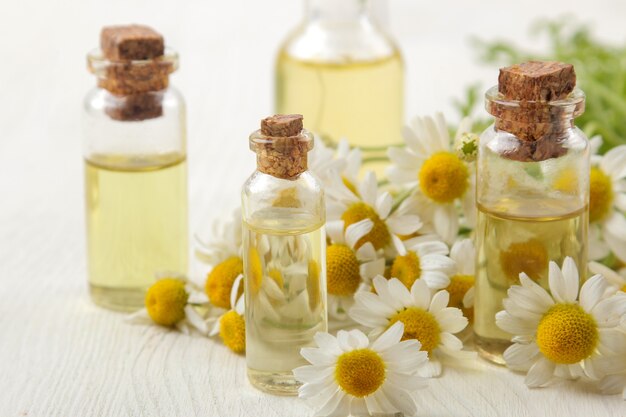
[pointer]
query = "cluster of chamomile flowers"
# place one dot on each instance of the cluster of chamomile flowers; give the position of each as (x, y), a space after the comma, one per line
(400, 263)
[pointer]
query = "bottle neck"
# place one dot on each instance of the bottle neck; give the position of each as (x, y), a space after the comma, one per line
(336, 10)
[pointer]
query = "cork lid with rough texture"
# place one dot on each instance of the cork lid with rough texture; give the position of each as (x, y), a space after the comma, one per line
(131, 42)
(282, 145)
(537, 81)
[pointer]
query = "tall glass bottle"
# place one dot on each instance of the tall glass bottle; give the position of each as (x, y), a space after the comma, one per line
(284, 254)
(344, 74)
(135, 171)
(532, 189)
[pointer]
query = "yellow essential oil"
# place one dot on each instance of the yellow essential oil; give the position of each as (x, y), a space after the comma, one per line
(361, 101)
(136, 224)
(285, 289)
(508, 244)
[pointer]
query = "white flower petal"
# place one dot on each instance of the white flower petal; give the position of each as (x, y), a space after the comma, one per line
(400, 292)
(399, 398)
(468, 298)
(521, 357)
(357, 230)
(318, 357)
(404, 225)
(615, 234)
(572, 280)
(514, 325)
(390, 338)
(592, 292)
(382, 288)
(430, 369)
(371, 269)
(403, 158)
(451, 319)
(368, 188)
(313, 374)
(613, 162)
(372, 302)
(196, 320)
(557, 283)
(435, 247)
(401, 176)
(327, 343)
(450, 341)
(435, 280)
(334, 230)
(383, 205)
(439, 301)
(540, 373)
(421, 294)
(446, 222)
(366, 252)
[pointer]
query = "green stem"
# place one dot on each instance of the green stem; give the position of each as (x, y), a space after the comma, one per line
(401, 197)
(375, 159)
(380, 148)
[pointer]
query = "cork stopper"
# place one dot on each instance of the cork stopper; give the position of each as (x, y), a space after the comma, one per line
(282, 146)
(131, 42)
(537, 81)
(537, 103)
(133, 68)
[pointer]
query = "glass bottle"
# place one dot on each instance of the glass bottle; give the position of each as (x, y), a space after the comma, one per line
(284, 254)
(532, 197)
(344, 74)
(135, 177)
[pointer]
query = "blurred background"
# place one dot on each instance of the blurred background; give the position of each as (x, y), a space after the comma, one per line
(227, 51)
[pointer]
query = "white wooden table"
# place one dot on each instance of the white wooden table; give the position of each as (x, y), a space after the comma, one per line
(62, 356)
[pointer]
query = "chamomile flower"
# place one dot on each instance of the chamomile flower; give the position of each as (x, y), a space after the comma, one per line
(426, 317)
(607, 205)
(170, 302)
(223, 254)
(563, 333)
(615, 367)
(231, 326)
(617, 279)
(349, 269)
(349, 375)
(325, 161)
(426, 258)
(368, 202)
(461, 287)
(430, 162)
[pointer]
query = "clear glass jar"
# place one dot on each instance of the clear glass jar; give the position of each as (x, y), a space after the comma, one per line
(135, 178)
(533, 202)
(339, 68)
(284, 258)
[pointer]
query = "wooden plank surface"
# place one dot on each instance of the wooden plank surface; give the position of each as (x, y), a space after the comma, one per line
(62, 356)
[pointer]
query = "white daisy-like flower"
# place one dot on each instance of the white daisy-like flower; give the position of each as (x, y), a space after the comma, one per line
(615, 367)
(221, 256)
(430, 162)
(426, 258)
(171, 302)
(349, 269)
(230, 326)
(562, 334)
(426, 318)
(461, 287)
(349, 375)
(343, 204)
(224, 242)
(617, 279)
(607, 205)
(324, 162)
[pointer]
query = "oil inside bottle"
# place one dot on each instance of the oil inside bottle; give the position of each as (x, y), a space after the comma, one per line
(507, 245)
(136, 224)
(285, 287)
(359, 100)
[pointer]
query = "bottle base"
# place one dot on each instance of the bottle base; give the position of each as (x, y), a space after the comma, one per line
(491, 350)
(119, 299)
(276, 383)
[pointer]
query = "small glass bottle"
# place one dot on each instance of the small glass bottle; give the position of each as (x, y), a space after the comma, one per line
(339, 69)
(532, 189)
(284, 254)
(135, 170)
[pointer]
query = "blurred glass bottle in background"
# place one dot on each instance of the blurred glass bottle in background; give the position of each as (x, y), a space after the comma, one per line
(135, 167)
(344, 74)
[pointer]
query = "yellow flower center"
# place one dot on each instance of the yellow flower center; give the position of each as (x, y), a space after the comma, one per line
(418, 324)
(360, 372)
(600, 195)
(379, 235)
(220, 281)
(406, 268)
(459, 285)
(254, 270)
(350, 186)
(233, 331)
(530, 257)
(567, 334)
(313, 285)
(624, 288)
(166, 301)
(443, 177)
(287, 198)
(342, 270)
(567, 181)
